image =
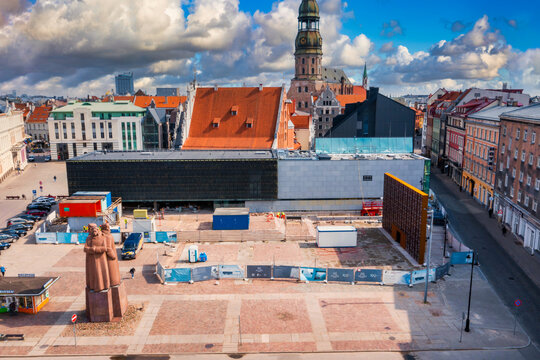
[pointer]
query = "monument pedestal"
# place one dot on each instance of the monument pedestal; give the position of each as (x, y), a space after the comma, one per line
(119, 300)
(99, 306)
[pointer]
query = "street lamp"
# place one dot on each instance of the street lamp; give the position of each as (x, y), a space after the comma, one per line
(467, 322)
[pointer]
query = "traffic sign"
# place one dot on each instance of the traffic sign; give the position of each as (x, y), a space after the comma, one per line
(499, 212)
(517, 303)
(34, 192)
(73, 318)
(40, 182)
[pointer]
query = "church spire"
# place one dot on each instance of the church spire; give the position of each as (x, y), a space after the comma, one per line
(308, 44)
(365, 77)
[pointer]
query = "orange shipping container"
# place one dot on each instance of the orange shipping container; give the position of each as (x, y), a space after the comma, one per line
(79, 208)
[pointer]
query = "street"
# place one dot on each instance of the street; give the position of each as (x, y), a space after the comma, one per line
(482, 233)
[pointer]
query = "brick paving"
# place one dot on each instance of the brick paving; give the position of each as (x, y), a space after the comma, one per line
(274, 316)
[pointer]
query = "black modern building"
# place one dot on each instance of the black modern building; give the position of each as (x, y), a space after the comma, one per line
(177, 176)
(377, 116)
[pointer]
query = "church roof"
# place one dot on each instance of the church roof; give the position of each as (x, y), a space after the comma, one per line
(331, 75)
(308, 8)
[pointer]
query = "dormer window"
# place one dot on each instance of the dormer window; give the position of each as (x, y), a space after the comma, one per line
(234, 110)
(215, 123)
(249, 123)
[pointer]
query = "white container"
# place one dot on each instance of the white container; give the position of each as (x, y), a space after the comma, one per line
(193, 254)
(336, 236)
(144, 225)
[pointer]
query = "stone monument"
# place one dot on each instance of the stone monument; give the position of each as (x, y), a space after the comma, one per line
(106, 298)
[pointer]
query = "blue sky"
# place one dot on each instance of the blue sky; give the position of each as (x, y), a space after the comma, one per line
(76, 46)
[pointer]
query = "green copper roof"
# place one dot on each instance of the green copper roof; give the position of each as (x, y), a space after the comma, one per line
(117, 106)
(308, 42)
(308, 8)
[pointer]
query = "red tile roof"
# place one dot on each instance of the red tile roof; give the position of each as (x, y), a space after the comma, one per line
(40, 114)
(22, 107)
(160, 101)
(350, 99)
(359, 90)
(301, 121)
(232, 133)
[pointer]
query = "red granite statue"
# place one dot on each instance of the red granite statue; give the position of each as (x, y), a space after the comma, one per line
(97, 268)
(112, 258)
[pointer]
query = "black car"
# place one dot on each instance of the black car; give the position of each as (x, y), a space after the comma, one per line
(29, 217)
(20, 226)
(35, 206)
(20, 232)
(4, 245)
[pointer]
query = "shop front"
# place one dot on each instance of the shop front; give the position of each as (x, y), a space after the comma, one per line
(24, 294)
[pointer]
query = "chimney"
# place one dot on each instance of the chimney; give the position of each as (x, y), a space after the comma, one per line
(215, 87)
(260, 87)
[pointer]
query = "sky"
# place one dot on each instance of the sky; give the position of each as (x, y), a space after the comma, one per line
(74, 47)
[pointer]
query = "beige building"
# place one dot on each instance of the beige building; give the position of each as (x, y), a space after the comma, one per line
(81, 128)
(12, 146)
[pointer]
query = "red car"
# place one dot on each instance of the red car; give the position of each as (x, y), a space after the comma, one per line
(39, 213)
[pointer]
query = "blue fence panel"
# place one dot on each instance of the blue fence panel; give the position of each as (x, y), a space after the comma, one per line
(165, 236)
(442, 270)
(285, 272)
(341, 275)
(259, 271)
(461, 257)
(369, 275)
(180, 275)
(231, 272)
(82, 237)
(391, 277)
(203, 273)
(312, 274)
(63, 238)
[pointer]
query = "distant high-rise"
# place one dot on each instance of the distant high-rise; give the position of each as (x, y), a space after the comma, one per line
(124, 84)
(167, 92)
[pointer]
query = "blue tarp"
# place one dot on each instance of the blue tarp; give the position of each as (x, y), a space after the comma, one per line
(312, 274)
(178, 275)
(364, 145)
(165, 236)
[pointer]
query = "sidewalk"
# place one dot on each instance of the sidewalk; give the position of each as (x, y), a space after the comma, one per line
(530, 264)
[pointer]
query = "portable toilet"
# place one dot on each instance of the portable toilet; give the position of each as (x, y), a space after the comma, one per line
(193, 254)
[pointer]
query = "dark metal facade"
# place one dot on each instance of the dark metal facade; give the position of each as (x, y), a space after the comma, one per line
(176, 180)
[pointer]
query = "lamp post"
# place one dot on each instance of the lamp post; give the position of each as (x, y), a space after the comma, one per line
(467, 322)
(430, 212)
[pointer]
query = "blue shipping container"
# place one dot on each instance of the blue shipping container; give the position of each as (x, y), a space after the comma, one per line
(107, 194)
(231, 219)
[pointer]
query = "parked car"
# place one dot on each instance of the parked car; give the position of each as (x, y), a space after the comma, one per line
(20, 221)
(31, 158)
(36, 212)
(20, 226)
(4, 245)
(12, 233)
(132, 246)
(47, 158)
(29, 217)
(45, 199)
(35, 206)
(10, 230)
(7, 237)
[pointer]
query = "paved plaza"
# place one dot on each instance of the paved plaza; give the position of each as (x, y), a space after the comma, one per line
(237, 316)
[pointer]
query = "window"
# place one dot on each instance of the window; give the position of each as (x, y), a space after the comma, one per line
(537, 184)
(504, 130)
(299, 89)
(73, 133)
(519, 196)
(57, 135)
(102, 130)
(64, 130)
(514, 173)
(109, 125)
(535, 206)
(313, 60)
(501, 166)
(367, 178)
(533, 137)
(502, 149)
(74, 149)
(306, 90)
(538, 162)
(82, 117)
(525, 135)
(528, 180)
(93, 130)
(83, 144)
(95, 146)
(506, 180)
(512, 193)
(518, 132)
(516, 154)
(499, 183)
(523, 156)
(521, 176)
(526, 202)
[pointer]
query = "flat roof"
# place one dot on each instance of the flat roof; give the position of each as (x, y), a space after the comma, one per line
(343, 228)
(174, 155)
(117, 106)
(80, 201)
(25, 286)
(231, 211)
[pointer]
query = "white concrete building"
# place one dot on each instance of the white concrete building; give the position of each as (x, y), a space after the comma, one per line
(81, 128)
(12, 146)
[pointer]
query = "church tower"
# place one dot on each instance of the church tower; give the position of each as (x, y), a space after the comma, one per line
(308, 44)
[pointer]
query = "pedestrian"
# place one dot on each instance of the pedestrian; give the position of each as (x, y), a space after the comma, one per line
(132, 272)
(125, 223)
(13, 308)
(2, 270)
(490, 212)
(23, 197)
(54, 178)
(504, 230)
